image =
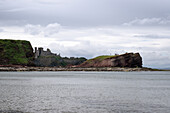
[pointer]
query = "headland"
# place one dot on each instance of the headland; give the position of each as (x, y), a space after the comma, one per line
(18, 55)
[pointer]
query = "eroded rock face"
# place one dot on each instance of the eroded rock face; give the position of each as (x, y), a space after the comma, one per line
(124, 60)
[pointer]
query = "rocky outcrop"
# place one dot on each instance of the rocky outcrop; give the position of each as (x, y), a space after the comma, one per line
(16, 52)
(125, 60)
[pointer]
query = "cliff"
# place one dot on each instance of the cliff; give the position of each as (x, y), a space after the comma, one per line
(124, 60)
(15, 52)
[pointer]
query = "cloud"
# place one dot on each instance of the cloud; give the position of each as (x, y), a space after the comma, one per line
(156, 59)
(33, 29)
(153, 36)
(48, 30)
(80, 13)
(49, 2)
(14, 10)
(1, 30)
(82, 48)
(149, 22)
(51, 29)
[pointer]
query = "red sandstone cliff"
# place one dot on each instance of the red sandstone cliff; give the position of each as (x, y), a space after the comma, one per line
(124, 60)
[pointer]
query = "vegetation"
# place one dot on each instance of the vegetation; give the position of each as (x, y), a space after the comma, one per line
(73, 60)
(16, 52)
(58, 61)
(100, 58)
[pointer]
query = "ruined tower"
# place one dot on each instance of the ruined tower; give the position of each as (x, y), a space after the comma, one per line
(36, 52)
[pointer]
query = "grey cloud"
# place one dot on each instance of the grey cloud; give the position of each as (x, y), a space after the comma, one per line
(49, 2)
(83, 49)
(13, 10)
(149, 22)
(33, 29)
(156, 59)
(1, 30)
(80, 13)
(51, 29)
(48, 30)
(153, 36)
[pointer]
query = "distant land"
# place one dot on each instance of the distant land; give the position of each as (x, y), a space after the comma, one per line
(18, 55)
(20, 52)
(164, 68)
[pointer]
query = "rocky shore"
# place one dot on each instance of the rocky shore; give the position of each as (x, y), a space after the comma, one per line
(74, 69)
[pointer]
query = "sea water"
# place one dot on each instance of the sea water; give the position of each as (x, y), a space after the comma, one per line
(85, 92)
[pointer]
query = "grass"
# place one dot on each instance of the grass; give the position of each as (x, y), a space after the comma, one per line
(14, 51)
(100, 58)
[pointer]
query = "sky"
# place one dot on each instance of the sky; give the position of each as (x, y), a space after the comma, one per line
(89, 28)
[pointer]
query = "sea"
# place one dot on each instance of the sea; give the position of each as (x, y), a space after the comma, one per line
(85, 92)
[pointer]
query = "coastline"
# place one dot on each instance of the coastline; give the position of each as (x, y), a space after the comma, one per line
(124, 69)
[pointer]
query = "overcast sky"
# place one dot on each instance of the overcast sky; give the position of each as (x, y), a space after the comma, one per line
(91, 27)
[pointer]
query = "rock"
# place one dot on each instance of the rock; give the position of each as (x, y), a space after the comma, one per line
(125, 60)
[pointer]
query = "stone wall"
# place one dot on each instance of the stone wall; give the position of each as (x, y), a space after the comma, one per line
(40, 52)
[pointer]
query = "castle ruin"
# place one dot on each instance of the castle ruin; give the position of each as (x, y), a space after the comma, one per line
(40, 52)
(49, 59)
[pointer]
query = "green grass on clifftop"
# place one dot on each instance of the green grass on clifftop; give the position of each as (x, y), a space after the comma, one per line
(100, 58)
(17, 52)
